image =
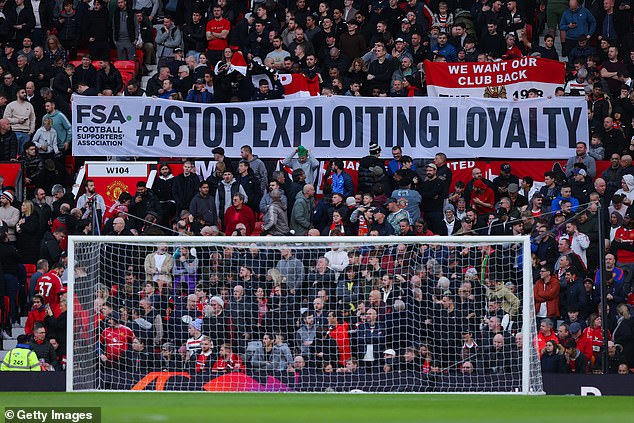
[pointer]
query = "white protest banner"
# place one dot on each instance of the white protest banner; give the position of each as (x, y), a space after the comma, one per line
(503, 79)
(330, 127)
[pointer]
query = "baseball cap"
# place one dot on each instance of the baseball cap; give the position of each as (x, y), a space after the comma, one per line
(581, 172)
(200, 81)
(399, 40)
(390, 200)
(302, 151)
(575, 327)
(432, 165)
(506, 168)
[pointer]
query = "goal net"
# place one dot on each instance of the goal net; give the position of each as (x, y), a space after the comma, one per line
(303, 314)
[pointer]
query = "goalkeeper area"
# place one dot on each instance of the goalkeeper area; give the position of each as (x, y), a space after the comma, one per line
(303, 314)
(320, 408)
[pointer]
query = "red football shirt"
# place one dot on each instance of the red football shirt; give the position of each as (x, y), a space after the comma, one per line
(116, 341)
(48, 286)
(217, 26)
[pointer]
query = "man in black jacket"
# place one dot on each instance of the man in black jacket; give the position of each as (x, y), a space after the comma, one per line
(194, 35)
(40, 345)
(50, 248)
(185, 186)
(8, 142)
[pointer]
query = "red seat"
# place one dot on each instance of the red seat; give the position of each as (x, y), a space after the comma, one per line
(76, 63)
(125, 65)
(30, 269)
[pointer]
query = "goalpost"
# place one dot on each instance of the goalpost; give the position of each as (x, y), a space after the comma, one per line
(302, 314)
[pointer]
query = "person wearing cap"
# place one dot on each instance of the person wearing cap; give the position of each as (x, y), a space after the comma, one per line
(9, 215)
(304, 161)
(371, 169)
(501, 182)
(581, 186)
(199, 93)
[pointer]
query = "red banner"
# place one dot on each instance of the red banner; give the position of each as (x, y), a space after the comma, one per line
(461, 169)
(113, 178)
(13, 177)
(503, 79)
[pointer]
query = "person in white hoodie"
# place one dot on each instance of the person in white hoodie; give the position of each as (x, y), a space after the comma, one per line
(45, 139)
(627, 189)
(225, 192)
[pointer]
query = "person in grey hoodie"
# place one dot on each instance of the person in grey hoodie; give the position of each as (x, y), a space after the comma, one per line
(266, 200)
(257, 166)
(303, 210)
(275, 219)
(304, 161)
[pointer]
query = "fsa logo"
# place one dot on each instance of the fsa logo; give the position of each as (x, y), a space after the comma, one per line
(100, 114)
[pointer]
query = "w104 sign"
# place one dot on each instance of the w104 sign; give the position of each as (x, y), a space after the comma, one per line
(503, 79)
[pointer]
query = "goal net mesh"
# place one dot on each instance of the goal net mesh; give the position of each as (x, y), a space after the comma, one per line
(337, 314)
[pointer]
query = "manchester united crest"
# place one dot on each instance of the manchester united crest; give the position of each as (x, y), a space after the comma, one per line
(495, 92)
(115, 189)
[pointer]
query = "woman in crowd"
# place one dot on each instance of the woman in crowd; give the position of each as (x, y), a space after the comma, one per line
(28, 233)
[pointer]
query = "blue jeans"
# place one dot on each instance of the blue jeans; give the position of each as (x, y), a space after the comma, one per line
(23, 138)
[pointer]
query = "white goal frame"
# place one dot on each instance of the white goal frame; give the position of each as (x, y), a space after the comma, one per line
(528, 311)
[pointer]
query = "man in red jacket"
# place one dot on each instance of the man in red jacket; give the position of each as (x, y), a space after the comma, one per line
(546, 292)
(239, 213)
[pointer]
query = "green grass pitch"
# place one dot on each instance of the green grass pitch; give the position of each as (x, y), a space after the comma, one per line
(329, 408)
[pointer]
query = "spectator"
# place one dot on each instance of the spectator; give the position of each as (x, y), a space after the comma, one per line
(304, 161)
(123, 33)
(199, 93)
(575, 22)
(275, 217)
(185, 186)
(9, 145)
(238, 213)
(168, 39)
(21, 116)
(225, 191)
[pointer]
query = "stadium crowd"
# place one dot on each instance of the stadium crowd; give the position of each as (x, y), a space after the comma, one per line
(242, 312)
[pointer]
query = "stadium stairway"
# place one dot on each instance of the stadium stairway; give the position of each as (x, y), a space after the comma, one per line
(9, 344)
